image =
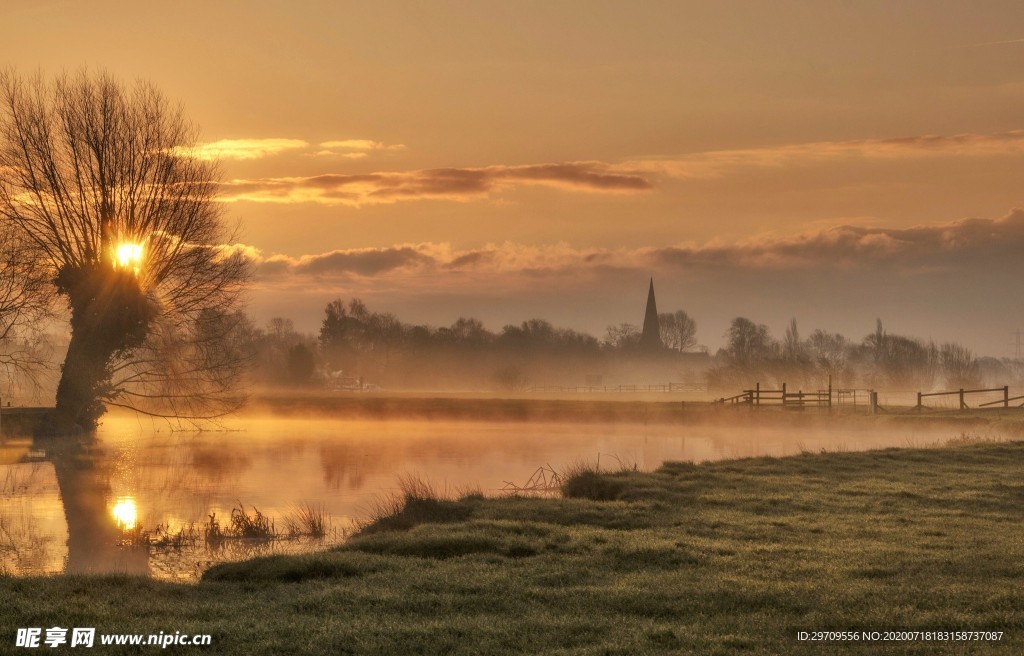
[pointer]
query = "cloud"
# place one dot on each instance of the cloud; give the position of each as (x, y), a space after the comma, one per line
(446, 183)
(354, 148)
(364, 262)
(942, 246)
(715, 163)
(631, 176)
(347, 156)
(992, 43)
(947, 246)
(360, 144)
(241, 148)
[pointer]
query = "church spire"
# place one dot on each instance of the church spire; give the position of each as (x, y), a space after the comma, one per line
(651, 336)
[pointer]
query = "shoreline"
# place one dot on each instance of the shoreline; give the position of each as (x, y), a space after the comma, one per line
(711, 558)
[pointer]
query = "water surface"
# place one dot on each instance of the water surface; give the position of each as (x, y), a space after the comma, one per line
(63, 513)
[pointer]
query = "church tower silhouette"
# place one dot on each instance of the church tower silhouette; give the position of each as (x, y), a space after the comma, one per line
(650, 339)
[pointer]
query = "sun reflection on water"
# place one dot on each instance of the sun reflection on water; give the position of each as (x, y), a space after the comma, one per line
(125, 513)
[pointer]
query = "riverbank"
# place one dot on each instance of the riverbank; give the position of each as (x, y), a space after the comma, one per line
(658, 409)
(723, 557)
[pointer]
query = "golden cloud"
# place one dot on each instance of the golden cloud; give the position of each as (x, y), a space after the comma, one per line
(359, 144)
(942, 246)
(715, 163)
(449, 184)
(241, 148)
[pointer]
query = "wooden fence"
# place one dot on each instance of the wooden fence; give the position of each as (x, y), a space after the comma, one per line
(758, 397)
(839, 397)
(963, 394)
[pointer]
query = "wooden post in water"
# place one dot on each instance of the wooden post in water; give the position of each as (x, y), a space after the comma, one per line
(783, 394)
(757, 394)
(962, 404)
(830, 392)
(873, 399)
(919, 406)
(1006, 396)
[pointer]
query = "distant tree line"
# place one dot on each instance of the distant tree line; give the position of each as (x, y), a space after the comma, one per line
(880, 360)
(378, 347)
(355, 343)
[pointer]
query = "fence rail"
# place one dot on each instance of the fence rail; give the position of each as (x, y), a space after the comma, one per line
(852, 396)
(839, 397)
(963, 393)
(783, 397)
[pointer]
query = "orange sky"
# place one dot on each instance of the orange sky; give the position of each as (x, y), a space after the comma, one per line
(509, 160)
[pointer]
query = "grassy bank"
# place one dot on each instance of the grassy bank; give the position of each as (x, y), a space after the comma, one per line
(725, 557)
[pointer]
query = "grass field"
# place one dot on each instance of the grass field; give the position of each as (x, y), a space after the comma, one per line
(718, 558)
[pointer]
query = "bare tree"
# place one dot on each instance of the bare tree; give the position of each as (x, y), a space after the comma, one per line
(678, 330)
(793, 349)
(897, 361)
(622, 336)
(101, 181)
(24, 307)
(830, 354)
(959, 366)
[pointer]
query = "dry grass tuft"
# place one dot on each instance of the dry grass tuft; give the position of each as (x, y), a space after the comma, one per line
(308, 520)
(967, 439)
(255, 526)
(416, 502)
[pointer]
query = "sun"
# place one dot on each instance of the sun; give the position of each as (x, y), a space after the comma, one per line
(125, 513)
(129, 256)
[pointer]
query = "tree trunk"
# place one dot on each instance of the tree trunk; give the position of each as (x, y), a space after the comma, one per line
(83, 383)
(110, 316)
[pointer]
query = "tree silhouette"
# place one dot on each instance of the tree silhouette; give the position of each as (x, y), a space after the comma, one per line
(623, 336)
(678, 330)
(24, 307)
(748, 344)
(101, 181)
(830, 354)
(959, 366)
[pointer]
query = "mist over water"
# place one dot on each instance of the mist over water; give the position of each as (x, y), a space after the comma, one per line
(144, 474)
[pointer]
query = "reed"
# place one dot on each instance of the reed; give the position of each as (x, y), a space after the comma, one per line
(307, 520)
(256, 526)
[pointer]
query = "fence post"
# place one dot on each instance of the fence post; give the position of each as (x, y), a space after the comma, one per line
(962, 404)
(757, 392)
(919, 406)
(830, 392)
(783, 393)
(873, 399)
(1006, 396)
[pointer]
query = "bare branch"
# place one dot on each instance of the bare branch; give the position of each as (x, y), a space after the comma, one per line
(88, 165)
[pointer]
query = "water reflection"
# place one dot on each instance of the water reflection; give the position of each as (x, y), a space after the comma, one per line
(94, 537)
(124, 513)
(85, 508)
(31, 525)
